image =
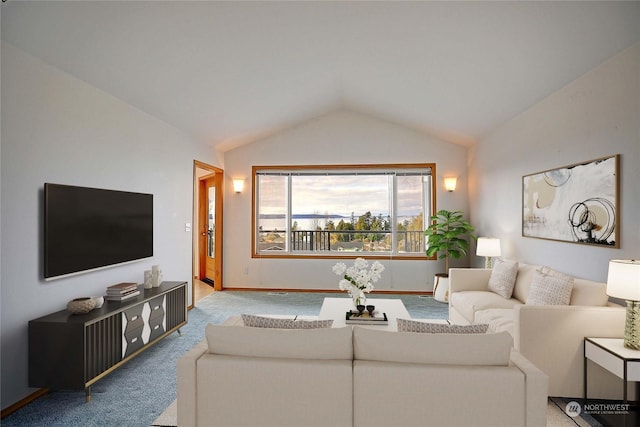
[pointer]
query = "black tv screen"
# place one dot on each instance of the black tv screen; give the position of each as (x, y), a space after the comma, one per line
(91, 228)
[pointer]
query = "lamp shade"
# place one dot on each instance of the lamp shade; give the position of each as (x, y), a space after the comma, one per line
(238, 185)
(624, 279)
(488, 246)
(450, 183)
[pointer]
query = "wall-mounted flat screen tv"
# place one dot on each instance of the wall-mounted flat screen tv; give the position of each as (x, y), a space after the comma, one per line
(90, 228)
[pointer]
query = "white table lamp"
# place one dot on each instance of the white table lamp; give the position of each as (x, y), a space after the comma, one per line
(488, 247)
(624, 282)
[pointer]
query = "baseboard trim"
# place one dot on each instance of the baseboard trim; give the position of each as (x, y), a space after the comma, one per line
(23, 402)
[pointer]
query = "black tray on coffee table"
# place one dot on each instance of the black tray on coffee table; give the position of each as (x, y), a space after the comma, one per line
(364, 318)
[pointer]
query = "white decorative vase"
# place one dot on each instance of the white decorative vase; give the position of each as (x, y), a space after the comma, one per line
(156, 276)
(99, 300)
(441, 288)
(147, 280)
(359, 298)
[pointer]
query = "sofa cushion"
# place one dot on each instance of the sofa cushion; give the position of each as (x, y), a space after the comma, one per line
(406, 325)
(323, 343)
(503, 277)
(468, 302)
(272, 322)
(498, 319)
(443, 349)
(523, 281)
(550, 288)
(589, 293)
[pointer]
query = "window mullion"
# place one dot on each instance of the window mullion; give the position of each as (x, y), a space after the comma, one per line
(289, 216)
(426, 205)
(394, 213)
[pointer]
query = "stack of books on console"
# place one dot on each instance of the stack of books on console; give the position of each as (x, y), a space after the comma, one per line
(122, 291)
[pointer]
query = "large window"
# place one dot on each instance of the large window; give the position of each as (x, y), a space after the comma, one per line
(342, 210)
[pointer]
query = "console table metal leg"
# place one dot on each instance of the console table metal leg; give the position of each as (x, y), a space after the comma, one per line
(179, 332)
(87, 394)
(585, 384)
(624, 384)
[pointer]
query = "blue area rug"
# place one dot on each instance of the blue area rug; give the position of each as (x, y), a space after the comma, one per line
(138, 392)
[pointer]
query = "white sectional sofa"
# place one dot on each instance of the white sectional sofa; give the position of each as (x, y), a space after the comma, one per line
(354, 376)
(549, 336)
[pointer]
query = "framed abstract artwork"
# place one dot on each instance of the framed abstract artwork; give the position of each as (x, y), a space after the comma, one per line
(576, 203)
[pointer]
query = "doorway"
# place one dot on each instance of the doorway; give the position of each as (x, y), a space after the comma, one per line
(207, 253)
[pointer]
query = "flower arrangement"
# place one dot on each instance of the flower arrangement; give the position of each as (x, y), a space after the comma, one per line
(359, 278)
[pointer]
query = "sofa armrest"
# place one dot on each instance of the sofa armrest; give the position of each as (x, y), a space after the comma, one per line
(536, 390)
(186, 384)
(468, 279)
(537, 329)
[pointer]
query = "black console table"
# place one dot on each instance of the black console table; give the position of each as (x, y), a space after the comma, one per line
(73, 351)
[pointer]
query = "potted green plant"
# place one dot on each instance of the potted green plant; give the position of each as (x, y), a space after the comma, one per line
(447, 237)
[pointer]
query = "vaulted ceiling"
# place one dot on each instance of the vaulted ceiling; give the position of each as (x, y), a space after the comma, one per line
(231, 72)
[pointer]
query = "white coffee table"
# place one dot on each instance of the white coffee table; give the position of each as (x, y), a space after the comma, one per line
(336, 309)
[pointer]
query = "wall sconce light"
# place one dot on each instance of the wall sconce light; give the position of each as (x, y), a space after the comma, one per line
(450, 183)
(488, 247)
(623, 282)
(238, 185)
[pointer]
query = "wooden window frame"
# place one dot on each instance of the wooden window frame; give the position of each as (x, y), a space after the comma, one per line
(335, 255)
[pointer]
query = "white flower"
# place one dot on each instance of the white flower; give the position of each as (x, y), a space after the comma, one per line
(360, 263)
(345, 285)
(339, 268)
(359, 277)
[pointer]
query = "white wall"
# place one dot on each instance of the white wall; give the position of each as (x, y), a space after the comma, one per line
(342, 137)
(56, 128)
(595, 116)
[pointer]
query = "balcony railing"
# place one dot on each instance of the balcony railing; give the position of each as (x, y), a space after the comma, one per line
(341, 241)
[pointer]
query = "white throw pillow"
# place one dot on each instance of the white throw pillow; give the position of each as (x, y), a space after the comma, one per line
(319, 344)
(272, 322)
(406, 325)
(503, 277)
(550, 288)
(443, 349)
(550, 271)
(584, 292)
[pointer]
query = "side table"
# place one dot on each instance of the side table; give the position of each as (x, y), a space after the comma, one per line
(612, 355)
